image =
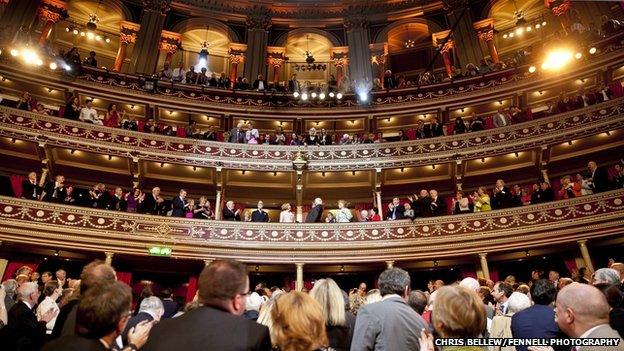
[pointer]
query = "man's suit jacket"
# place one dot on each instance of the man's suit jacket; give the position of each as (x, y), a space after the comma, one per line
(150, 205)
(179, 209)
(315, 214)
(537, 321)
(397, 212)
(171, 308)
(234, 138)
(602, 332)
(61, 193)
(24, 332)
(502, 199)
(388, 325)
(422, 207)
(75, 343)
(30, 191)
(229, 215)
(118, 204)
(601, 180)
(432, 131)
(259, 216)
(66, 320)
(293, 85)
(132, 322)
(256, 84)
(208, 328)
(438, 207)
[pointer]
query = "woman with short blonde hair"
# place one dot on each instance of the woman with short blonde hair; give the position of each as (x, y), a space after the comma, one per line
(298, 323)
(459, 313)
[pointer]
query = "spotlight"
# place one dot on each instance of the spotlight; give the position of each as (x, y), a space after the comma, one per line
(505, 36)
(56, 253)
(39, 62)
(363, 96)
(578, 55)
(162, 164)
(98, 37)
(532, 69)
(304, 96)
(75, 31)
(82, 34)
(322, 96)
(313, 95)
(537, 26)
(543, 23)
(90, 35)
(529, 28)
(53, 66)
(592, 51)
(15, 52)
(557, 59)
(30, 56)
(110, 157)
(67, 29)
(339, 96)
(107, 39)
(66, 67)
(519, 31)
(511, 35)
(331, 94)
(296, 94)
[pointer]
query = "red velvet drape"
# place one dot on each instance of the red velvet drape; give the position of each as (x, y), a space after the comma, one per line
(362, 206)
(16, 184)
(192, 289)
(570, 265)
(125, 277)
(494, 275)
(468, 272)
(9, 273)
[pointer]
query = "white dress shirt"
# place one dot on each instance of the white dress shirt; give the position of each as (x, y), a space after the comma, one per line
(287, 217)
(44, 307)
(89, 115)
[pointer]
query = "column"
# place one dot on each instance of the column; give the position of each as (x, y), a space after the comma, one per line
(389, 264)
(208, 261)
(170, 42)
(220, 192)
(135, 172)
(275, 60)
(109, 257)
(445, 46)
(258, 24)
(585, 253)
(380, 208)
(484, 265)
(467, 49)
(237, 56)
(145, 52)
(359, 53)
(379, 58)
(51, 12)
(218, 210)
(128, 34)
(299, 282)
(485, 32)
(18, 14)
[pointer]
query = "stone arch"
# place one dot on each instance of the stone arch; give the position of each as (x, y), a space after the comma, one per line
(201, 23)
(382, 36)
(282, 39)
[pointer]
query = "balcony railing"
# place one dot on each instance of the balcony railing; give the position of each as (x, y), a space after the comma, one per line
(524, 227)
(514, 138)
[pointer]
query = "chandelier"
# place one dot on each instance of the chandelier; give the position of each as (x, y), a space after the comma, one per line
(522, 25)
(409, 43)
(90, 28)
(309, 57)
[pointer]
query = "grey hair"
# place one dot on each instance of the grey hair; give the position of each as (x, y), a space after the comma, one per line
(151, 304)
(27, 289)
(607, 275)
(518, 302)
(10, 286)
(393, 281)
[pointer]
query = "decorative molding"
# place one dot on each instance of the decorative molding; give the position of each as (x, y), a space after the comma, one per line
(170, 42)
(53, 11)
(258, 18)
(558, 7)
(162, 6)
(552, 223)
(514, 138)
(128, 32)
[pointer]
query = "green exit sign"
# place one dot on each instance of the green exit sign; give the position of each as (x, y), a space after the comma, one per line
(159, 251)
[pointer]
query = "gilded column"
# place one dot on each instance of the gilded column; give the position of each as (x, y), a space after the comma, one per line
(275, 60)
(145, 53)
(389, 264)
(360, 70)
(379, 58)
(51, 12)
(258, 24)
(485, 32)
(445, 46)
(299, 282)
(128, 34)
(484, 265)
(237, 56)
(170, 42)
(340, 60)
(109, 257)
(585, 253)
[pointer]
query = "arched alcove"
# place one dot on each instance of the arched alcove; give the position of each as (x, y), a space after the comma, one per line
(297, 43)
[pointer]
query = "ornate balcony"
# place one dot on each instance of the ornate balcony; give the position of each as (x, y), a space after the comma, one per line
(524, 136)
(525, 227)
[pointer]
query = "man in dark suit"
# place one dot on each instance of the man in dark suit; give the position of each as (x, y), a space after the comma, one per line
(118, 201)
(537, 321)
(230, 213)
(324, 138)
(153, 203)
(390, 324)
(180, 206)
(101, 315)
(434, 129)
(24, 332)
(421, 204)
(293, 84)
(260, 84)
(437, 204)
(388, 80)
(502, 197)
(259, 215)
(30, 189)
(169, 304)
(395, 210)
(237, 135)
(151, 309)
(599, 176)
(315, 214)
(55, 191)
(583, 312)
(222, 326)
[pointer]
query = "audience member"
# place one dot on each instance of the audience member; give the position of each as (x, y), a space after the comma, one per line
(230, 213)
(259, 214)
(338, 322)
(316, 212)
(343, 214)
(89, 114)
(150, 310)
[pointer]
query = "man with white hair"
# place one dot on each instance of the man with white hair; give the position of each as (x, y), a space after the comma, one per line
(151, 309)
(583, 312)
(315, 214)
(252, 306)
(27, 333)
(230, 213)
(606, 275)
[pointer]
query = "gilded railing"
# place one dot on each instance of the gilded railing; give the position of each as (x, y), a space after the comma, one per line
(88, 137)
(63, 226)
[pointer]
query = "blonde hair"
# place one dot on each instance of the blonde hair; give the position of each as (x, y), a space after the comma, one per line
(298, 323)
(264, 317)
(373, 296)
(458, 313)
(327, 293)
(285, 206)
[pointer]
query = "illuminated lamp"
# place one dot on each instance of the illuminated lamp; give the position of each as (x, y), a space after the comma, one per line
(578, 55)
(82, 34)
(53, 65)
(532, 69)
(511, 35)
(107, 39)
(15, 52)
(557, 59)
(313, 95)
(90, 35)
(519, 31)
(529, 28)
(75, 31)
(505, 36)
(537, 26)
(339, 96)
(331, 94)
(304, 96)
(296, 94)
(592, 50)
(322, 96)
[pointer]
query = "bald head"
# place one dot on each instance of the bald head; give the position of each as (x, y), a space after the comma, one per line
(580, 307)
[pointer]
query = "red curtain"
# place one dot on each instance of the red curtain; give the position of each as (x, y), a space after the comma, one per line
(449, 204)
(305, 209)
(468, 272)
(181, 132)
(141, 126)
(192, 289)
(616, 88)
(362, 206)
(9, 273)
(125, 277)
(494, 275)
(450, 128)
(410, 134)
(16, 184)
(570, 265)
(489, 123)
